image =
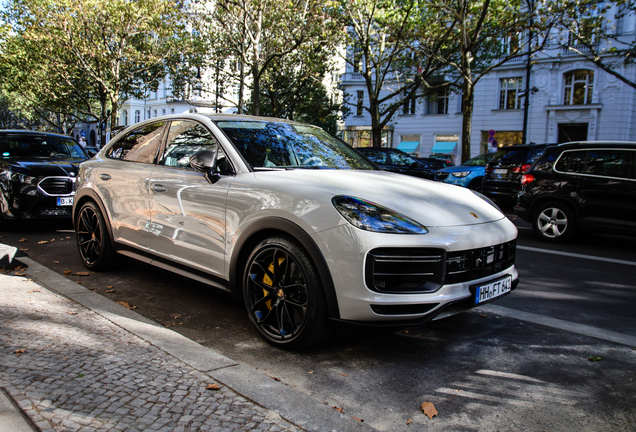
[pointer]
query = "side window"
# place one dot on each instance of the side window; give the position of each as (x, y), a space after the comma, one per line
(140, 145)
(376, 156)
(596, 162)
(185, 139)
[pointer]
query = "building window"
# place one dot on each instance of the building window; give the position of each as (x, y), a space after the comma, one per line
(148, 113)
(360, 102)
(171, 110)
(438, 101)
(137, 116)
(163, 111)
(509, 89)
(579, 86)
(410, 105)
(155, 112)
(125, 118)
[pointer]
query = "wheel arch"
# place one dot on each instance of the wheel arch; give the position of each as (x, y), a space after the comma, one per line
(541, 200)
(269, 227)
(90, 195)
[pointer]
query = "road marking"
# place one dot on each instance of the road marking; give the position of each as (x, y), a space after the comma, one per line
(574, 255)
(561, 324)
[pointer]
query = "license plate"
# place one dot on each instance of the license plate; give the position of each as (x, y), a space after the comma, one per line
(501, 171)
(65, 201)
(492, 290)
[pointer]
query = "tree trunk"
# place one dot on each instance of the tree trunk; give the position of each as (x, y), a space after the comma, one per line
(256, 90)
(467, 117)
(376, 127)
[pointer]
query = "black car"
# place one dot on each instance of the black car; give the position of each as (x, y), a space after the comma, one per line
(37, 174)
(436, 164)
(502, 180)
(397, 161)
(583, 185)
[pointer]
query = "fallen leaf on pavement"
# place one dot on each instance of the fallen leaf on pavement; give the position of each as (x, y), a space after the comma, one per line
(43, 242)
(127, 305)
(56, 262)
(429, 409)
(52, 240)
(71, 313)
(213, 387)
(310, 372)
(110, 291)
(595, 358)
(78, 282)
(409, 421)
(344, 375)
(483, 315)
(356, 418)
(67, 272)
(24, 250)
(34, 290)
(81, 274)
(19, 274)
(93, 289)
(20, 351)
(22, 240)
(68, 237)
(339, 409)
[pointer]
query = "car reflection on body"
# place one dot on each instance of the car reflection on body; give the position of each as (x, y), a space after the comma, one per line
(394, 160)
(37, 175)
(293, 221)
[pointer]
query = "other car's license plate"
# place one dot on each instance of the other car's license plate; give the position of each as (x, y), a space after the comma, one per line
(65, 201)
(484, 293)
(501, 171)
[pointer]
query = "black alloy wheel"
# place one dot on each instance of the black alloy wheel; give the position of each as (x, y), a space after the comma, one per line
(284, 296)
(93, 241)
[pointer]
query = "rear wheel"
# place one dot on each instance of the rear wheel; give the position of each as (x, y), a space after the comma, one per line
(554, 222)
(284, 296)
(93, 241)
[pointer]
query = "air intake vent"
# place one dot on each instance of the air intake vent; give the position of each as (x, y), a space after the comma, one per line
(57, 185)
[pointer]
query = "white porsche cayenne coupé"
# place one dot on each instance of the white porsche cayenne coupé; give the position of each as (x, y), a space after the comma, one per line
(293, 221)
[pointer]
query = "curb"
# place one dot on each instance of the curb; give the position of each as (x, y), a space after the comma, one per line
(293, 405)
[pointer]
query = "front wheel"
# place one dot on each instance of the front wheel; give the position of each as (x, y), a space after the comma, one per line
(284, 296)
(554, 222)
(93, 241)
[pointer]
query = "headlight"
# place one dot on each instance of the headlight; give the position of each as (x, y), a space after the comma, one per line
(460, 174)
(25, 179)
(373, 217)
(488, 200)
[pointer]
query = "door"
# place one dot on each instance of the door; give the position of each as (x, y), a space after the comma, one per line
(187, 211)
(122, 181)
(572, 132)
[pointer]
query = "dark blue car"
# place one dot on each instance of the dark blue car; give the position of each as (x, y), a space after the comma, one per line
(469, 174)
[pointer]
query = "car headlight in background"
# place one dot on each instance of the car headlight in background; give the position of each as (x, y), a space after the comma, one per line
(373, 217)
(460, 174)
(26, 179)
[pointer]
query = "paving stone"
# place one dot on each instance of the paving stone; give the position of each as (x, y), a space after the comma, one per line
(83, 373)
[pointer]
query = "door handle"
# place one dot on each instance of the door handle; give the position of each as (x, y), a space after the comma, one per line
(105, 177)
(159, 188)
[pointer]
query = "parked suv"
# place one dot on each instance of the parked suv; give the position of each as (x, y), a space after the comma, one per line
(502, 180)
(581, 185)
(397, 161)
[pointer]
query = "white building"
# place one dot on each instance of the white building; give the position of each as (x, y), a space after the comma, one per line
(573, 100)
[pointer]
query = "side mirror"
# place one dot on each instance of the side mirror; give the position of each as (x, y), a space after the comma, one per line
(205, 161)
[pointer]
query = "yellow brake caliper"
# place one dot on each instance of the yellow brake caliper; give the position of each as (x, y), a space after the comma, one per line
(269, 282)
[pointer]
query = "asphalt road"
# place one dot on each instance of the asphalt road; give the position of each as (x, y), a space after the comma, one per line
(484, 370)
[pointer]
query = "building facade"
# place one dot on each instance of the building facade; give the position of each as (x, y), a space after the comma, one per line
(571, 100)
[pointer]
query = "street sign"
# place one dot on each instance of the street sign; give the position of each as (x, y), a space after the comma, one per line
(83, 133)
(491, 138)
(492, 132)
(494, 143)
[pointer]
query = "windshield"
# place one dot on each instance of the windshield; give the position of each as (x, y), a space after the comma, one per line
(480, 160)
(39, 146)
(273, 145)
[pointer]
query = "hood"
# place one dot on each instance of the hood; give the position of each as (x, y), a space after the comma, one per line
(463, 168)
(38, 167)
(433, 204)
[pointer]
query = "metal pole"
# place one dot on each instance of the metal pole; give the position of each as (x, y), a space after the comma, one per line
(526, 101)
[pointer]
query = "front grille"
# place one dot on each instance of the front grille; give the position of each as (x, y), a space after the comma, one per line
(441, 175)
(57, 185)
(420, 270)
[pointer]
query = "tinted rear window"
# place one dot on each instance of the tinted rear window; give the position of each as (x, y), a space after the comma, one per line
(518, 156)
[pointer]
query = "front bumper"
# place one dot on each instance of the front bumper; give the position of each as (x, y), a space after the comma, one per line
(346, 250)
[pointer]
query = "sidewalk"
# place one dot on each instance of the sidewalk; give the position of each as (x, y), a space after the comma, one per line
(72, 360)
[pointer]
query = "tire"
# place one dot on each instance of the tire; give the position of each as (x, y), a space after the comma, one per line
(283, 295)
(93, 241)
(476, 185)
(554, 222)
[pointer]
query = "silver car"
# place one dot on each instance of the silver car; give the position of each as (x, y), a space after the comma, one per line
(293, 221)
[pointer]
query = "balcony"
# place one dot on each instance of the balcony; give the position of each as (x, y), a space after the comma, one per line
(567, 52)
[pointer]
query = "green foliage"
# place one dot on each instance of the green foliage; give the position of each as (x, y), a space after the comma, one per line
(80, 56)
